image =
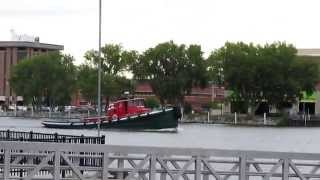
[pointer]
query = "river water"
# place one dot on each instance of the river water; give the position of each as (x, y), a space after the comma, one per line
(289, 139)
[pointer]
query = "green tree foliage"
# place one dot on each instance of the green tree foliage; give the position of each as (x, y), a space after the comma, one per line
(46, 79)
(151, 102)
(111, 86)
(258, 73)
(172, 70)
(212, 105)
(114, 64)
(114, 59)
(87, 82)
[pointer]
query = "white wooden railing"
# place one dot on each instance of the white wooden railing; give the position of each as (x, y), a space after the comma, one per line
(23, 160)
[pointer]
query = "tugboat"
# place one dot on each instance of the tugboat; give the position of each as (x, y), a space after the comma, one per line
(125, 114)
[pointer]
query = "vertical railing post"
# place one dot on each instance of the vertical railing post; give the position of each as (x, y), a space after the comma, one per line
(21, 171)
(197, 175)
(30, 136)
(120, 175)
(82, 139)
(82, 160)
(32, 112)
(235, 118)
(243, 167)
(15, 110)
(105, 166)
(56, 174)
(7, 158)
(55, 137)
(152, 170)
(8, 134)
(103, 139)
(285, 169)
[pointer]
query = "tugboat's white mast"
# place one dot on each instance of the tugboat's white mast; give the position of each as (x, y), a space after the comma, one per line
(99, 72)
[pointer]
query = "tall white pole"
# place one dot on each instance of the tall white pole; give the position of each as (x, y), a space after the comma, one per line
(99, 72)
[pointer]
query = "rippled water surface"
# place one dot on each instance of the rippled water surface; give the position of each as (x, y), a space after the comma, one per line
(293, 139)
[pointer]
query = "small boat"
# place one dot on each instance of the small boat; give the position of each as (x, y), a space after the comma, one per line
(125, 114)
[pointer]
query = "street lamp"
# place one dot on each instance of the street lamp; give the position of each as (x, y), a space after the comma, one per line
(99, 72)
(220, 83)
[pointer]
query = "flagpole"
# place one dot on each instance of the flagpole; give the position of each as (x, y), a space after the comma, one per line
(99, 72)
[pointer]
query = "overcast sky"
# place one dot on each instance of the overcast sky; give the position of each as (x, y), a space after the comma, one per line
(140, 24)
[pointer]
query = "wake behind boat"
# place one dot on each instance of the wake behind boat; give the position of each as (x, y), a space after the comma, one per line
(124, 114)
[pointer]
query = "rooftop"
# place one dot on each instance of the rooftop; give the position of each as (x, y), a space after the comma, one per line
(5, 44)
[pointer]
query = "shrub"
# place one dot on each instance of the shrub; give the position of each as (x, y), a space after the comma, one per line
(152, 102)
(284, 120)
(214, 105)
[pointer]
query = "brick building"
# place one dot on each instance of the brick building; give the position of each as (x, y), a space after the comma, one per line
(197, 99)
(11, 52)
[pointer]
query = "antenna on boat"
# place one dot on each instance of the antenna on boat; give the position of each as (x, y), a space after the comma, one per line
(99, 72)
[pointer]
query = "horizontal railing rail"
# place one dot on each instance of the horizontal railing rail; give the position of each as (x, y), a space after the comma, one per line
(30, 160)
(7, 135)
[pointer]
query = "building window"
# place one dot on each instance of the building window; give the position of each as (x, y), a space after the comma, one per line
(22, 53)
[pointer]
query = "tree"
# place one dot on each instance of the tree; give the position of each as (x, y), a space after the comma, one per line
(45, 79)
(269, 73)
(215, 65)
(172, 70)
(115, 62)
(87, 81)
(112, 86)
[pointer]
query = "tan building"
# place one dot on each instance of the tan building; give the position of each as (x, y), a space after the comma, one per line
(11, 52)
(309, 52)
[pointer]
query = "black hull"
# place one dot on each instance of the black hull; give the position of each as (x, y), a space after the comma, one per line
(154, 120)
